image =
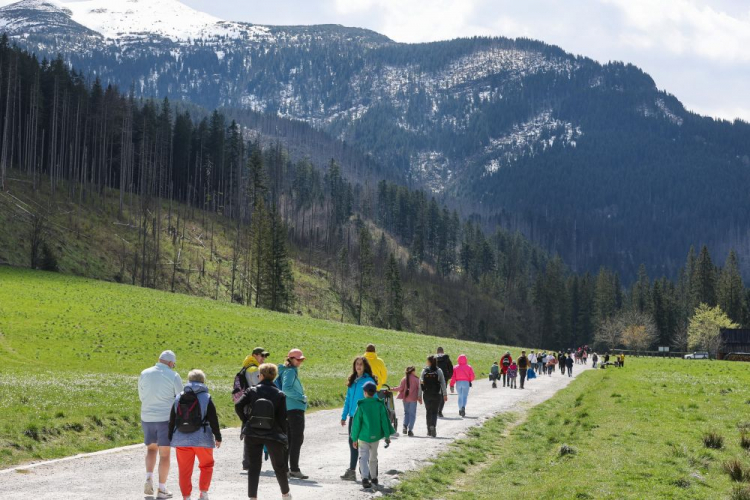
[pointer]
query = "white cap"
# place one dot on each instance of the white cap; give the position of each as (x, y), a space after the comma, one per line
(168, 356)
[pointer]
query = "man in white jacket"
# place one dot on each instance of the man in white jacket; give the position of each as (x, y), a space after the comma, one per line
(157, 388)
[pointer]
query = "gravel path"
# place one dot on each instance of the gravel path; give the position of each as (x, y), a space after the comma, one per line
(119, 474)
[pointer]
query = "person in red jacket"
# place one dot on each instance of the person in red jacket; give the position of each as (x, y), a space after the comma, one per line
(463, 376)
(505, 363)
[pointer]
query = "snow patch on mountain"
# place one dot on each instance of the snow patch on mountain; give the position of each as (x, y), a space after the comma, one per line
(536, 135)
(431, 169)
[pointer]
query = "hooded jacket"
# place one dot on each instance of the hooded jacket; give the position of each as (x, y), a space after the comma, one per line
(379, 370)
(202, 438)
(462, 371)
(354, 394)
(371, 422)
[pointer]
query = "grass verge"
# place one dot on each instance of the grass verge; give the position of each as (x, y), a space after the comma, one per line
(636, 432)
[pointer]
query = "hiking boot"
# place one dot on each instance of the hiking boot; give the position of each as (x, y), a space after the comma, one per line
(411, 434)
(148, 488)
(494, 385)
(374, 482)
(431, 431)
(297, 475)
(462, 412)
(405, 430)
(366, 483)
(349, 475)
(163, 494)
(440, 415)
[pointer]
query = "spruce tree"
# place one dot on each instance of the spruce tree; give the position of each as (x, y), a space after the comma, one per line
(731, 291)
(704, 280)
(394, 294)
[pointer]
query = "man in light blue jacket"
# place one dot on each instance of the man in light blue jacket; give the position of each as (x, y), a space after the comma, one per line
(157, 388)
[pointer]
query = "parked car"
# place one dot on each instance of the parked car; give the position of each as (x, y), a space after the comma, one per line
(698, 355)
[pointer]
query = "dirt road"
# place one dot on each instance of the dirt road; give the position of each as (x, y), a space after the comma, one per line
(119, 473)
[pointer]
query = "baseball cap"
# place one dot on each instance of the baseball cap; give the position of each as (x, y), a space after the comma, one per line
(296, 354)
(260, 350)
(168, 356)
(369, 387)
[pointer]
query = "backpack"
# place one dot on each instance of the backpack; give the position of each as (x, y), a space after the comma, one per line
(506, 361)
(262, 415)
(188, 416)
(240, 384)
(444, 363)
(431, 382)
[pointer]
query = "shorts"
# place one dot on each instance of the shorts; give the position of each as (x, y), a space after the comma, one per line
(156, 433)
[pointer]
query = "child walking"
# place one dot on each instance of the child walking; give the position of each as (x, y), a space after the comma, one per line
(370, 424)
(512, 374)
(410, 392)
(494, 374)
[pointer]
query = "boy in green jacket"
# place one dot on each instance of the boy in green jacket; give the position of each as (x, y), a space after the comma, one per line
(370, 425)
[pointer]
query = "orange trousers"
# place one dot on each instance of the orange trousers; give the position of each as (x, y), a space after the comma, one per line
(186, 461)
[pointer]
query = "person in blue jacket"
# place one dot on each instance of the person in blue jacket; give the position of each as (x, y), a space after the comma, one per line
(361, 374)
(296, 404)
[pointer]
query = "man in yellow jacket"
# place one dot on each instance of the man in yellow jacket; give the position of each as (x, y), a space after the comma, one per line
(378, 366)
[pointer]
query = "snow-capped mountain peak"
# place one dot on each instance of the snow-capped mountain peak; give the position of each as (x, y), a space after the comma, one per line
(123, 19)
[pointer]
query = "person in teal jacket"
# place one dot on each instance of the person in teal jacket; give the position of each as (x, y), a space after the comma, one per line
(361, 374)
(371, 424)
(296, 405)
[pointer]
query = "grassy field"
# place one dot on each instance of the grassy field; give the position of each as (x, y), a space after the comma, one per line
(635, 432)
(71, 351)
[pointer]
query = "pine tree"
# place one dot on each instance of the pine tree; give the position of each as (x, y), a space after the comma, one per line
(704, 279)
(394, 294)
(277, 293)
(364, 268)
(731, 291)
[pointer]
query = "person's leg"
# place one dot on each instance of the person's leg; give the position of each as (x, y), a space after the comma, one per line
(364, 459)
(296, 425)
(278, 461)
(152, 451)
(206, 464)
(353, 453)
(185, 464)
(165, 453)
(523, 377)
(441, 405)
(374, 460)
(410, 415)
(504, 378)
(254, 453)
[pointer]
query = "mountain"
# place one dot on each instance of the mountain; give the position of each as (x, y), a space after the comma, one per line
(591, 160)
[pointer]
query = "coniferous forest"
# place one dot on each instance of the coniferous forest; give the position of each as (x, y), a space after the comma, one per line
(396, 257)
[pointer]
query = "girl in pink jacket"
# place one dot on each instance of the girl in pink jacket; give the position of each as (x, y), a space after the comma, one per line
(410, 392)
(463, 376)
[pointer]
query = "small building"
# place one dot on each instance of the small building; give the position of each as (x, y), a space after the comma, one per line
(734, 341)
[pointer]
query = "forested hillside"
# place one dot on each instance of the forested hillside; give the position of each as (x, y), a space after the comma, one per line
(590, 161)
(102, 184)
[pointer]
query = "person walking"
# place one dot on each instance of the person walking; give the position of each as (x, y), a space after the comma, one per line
(595, 359)
(505, 361)
(569, 363)
(410, 392)
(434, 390)
(524, 363)
(562, 360)
(551, 362)
(446, 365)
(463, 376)
(512, 375)
(193, 411)
(361, 374)
(494, 374)
(379, 371)
(250, 366)
(532, 360)
(262, 410)
(543, 364)
(370, 425)
(157, 388)
(296, 405)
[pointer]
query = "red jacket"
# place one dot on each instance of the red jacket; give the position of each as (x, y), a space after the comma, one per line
(504, 368)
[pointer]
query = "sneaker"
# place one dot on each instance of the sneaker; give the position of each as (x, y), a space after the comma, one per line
(163, 494)
(204, 495)
(366, 483)
(349, 475)
(297, 475)
(405, 430)
(461, 412)
(148, 489)
(411, 434)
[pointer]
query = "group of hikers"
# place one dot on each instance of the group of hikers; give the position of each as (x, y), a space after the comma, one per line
(270, 401)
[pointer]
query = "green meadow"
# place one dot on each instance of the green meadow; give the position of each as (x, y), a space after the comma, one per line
(72, 350)
(631, 433)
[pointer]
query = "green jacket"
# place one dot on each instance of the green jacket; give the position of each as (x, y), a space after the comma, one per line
(371, 422)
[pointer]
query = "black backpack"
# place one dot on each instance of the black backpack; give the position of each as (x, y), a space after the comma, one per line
(444, 363)
(506, 361)
(431, 383)
(240, 384)
(262, 415)
(188, 416)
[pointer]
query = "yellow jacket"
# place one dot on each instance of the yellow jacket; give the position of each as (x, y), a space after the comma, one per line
(379, 370)
(252, 375)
